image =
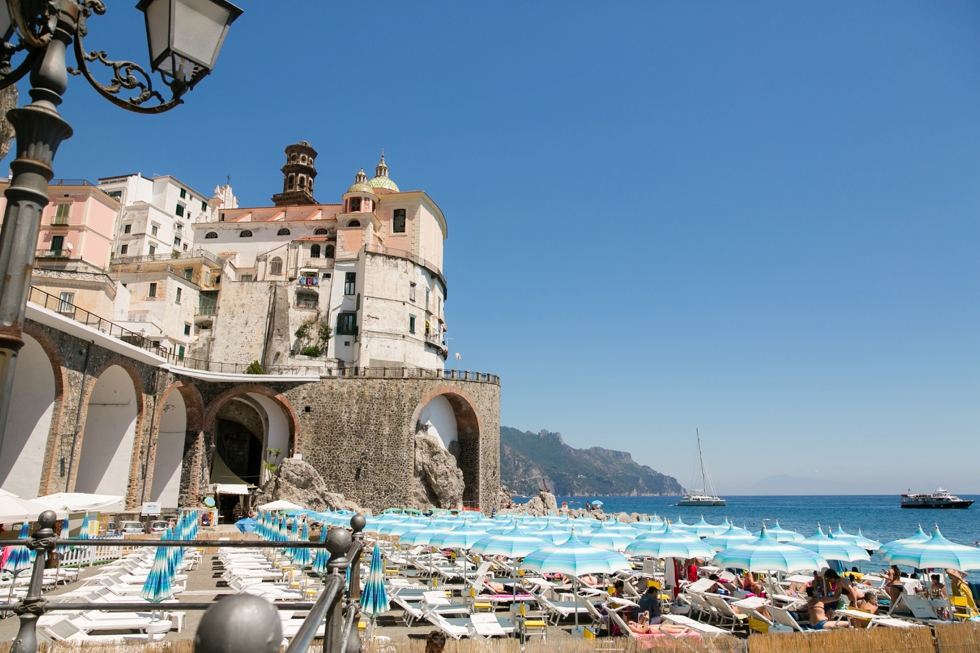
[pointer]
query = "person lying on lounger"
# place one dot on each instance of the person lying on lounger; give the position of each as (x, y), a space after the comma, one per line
(817, 606)
(644, 627)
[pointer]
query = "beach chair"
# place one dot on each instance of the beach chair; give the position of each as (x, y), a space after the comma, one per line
(698, 627)
(782, 617)
(921, 608)
(411, 612)
(530, 624)
(486, 625)
(67, 630)
(726, 613)
(703, 609)
(597, 618)
(559, 610)
(868, 620)
(454, 628)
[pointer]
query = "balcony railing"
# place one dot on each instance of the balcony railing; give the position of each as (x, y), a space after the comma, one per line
(61, 220)
(53, 253)
(307, 304)
(335, 607)
(194, 253)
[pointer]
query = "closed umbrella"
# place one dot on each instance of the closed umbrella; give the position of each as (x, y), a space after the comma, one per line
(832, 549)
(158, 585)
(302, 556)
(19, 559)
(574, 558)
(322, 556)
(934, 553)
(767, 554)
(374, 598)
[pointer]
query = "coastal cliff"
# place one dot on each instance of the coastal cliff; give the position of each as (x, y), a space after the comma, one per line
(527, 459)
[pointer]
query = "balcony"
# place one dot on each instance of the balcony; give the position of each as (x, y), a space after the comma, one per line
(53, 253)
(307, 303)
(317, 263)
(61, 220)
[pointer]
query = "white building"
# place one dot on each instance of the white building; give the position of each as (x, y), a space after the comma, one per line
(369, 268)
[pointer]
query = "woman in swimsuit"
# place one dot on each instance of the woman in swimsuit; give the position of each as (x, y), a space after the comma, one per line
(894, 583)
(644, 627)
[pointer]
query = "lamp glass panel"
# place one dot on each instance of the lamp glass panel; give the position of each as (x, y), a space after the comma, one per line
(198, 28)
(4, 18)
(158, 27)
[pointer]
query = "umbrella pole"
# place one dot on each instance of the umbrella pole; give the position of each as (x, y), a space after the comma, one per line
(575, 594)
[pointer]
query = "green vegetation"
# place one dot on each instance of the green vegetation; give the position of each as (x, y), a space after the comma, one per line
(254, 368)
(311, 350)
(313, 336)
(529, 461)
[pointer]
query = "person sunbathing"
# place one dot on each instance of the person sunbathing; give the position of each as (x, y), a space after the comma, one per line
(818, 613)
(937, 589)
(893, 581)
(495, 588)
(960, 588)
(751, 585)
(644, 627)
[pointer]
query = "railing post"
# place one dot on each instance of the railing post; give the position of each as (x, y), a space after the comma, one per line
(338, 543)
(241, 623)
(357, 523)
(32, 607)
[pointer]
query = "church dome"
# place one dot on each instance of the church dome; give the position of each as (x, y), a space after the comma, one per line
(360, 184)
(381, 179)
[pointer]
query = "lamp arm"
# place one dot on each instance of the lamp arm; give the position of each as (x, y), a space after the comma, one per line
(126, 74)
(15, 75)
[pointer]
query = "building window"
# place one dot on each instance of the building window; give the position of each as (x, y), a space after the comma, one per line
(115, 194)
(275, 266)
(204, 206)
(245, 234)
(176, 241)
(153, 291)
(246, 277)
(426, 299)
(57, 243)
(180, 353)
(283, 232)
(328, 251)
(217, 279)
(127, 228)
(320, 232)
(188, 273)
(411, 324)
(411, 292)
(180, 291)
(124, 250)
(355, 204)
(292, 181)
(211, 234)
(180, 210)
(349, 279)
(398, 223)
(183, 193)
(61, 214)
(67, 299)
(347, 324)
(153, 250)
(187, 329)
(154, 229)
(315, 251)
(354, 223)
(325, 275)
(302, 181)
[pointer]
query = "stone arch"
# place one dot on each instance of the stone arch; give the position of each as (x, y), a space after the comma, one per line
(468, 429)
(54, 460)
(109, 445)
(35, 400)
(178, 421)
(290, 418)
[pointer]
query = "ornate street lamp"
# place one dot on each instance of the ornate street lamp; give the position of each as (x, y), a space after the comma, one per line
(184, 38)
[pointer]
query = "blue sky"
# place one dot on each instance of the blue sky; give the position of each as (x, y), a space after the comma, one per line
(757, 219)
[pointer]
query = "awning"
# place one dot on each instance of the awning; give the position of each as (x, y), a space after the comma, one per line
(230, 488)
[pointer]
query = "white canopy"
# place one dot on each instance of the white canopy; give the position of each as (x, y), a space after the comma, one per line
(14, 509)
(230, 488)
(78, 501)
(281, 505)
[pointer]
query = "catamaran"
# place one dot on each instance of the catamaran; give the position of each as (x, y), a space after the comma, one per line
(705, 495)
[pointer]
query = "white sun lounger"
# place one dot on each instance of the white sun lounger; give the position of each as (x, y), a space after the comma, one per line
(696, 626)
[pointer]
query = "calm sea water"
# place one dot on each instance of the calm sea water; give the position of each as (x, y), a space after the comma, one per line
(879, 517)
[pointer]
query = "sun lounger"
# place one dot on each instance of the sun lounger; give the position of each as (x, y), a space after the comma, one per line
(697, 626)
(411, 612)
(455, 628)
(486, 625)
(727, 614)
(559, 610)
(921, 608)
(874, 620)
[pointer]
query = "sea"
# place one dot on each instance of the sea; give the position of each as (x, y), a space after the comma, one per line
(879, 517)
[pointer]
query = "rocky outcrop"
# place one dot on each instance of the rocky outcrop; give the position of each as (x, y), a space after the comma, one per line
(438, 481)
(299, 483)
(504, 498)
(540, 506)
(550, 503)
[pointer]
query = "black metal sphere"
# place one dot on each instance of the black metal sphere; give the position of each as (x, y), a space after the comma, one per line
(239, 624)
(338, 541)
(357, 522)
(47, 519)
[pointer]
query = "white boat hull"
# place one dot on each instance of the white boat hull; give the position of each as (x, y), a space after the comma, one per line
(700, 502)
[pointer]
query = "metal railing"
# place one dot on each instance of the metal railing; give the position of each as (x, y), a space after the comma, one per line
(307, 304)
(61, 220)
(194, 253)
(53, 253)
(334, 601)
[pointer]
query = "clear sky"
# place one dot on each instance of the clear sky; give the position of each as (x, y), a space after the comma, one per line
(756, 219)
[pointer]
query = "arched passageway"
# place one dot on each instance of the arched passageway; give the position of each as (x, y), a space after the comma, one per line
(107, 439)
(452, 415)
(169, 451)
(28, 421)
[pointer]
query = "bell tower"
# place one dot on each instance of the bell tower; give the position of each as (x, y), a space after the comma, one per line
(297, 176)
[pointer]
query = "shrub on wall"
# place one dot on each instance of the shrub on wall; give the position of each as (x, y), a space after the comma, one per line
(311, 351)
(254, 368)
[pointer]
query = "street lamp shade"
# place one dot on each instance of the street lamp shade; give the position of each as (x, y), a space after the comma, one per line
(185, 36)
(5, 22)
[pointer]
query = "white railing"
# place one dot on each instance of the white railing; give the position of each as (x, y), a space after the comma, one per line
(95, 555)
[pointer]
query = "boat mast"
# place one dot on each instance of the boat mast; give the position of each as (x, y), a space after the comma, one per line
(704, 486)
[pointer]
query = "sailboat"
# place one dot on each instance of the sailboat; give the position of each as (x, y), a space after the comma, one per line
(705, 495)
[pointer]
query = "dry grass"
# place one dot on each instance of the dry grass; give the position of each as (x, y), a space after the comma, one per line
(566, 645)
(846, 640)
(958, 638)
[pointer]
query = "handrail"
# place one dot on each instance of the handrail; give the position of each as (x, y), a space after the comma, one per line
(328, 597)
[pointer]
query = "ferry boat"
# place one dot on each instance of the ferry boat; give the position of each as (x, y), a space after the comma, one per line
(704, 496)
(939, 499)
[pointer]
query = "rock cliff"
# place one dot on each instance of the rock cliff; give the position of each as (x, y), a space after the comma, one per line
(298, 482)
(438, 481)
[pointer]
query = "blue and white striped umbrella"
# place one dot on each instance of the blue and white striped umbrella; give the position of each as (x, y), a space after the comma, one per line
(64, 548)
(832, 549)
(934, 553)
(512, 544)
(670, 544)
(920, 536)
(574, 558)
(731, 537)
(374, 598)
(159, 582)
(301, 556)
(859, 539)
(423, 535)
(20, 557)
(780, 534)
(612, 539)
(704, 529)
(767, 554)
(322, 556)
(461, 537)
(83, 532)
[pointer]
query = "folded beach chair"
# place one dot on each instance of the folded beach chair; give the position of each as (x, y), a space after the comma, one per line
(921, 608)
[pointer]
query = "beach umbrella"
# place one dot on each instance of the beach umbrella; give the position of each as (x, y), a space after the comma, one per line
(608, 538)
(461, 537)
(670, 544)
(322, 556)
(704, 529)
(859, 539)
(374, 599)
(158, 585)
(554, 535)
(420, 536)
(768, 554)
(920, 536)
(574, 558)
(512, 544)
(832, 549)
(247, 525)
(302, 556)
(730, 538)
(780, 534)
(20, 557)
(934, 553)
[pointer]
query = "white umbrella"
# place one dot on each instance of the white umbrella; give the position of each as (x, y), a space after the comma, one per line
(281, 504)
(14, 509)
(78, 501)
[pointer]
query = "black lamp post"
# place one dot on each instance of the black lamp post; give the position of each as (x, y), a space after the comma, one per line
(184, 38)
